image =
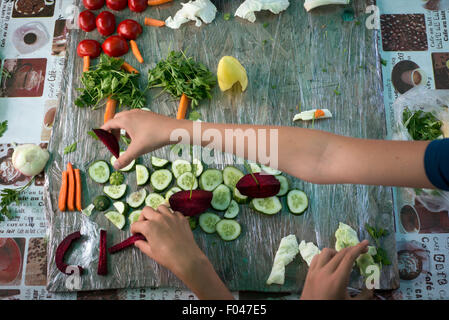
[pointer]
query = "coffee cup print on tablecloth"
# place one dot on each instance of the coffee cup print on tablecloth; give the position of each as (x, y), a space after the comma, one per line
(33, 8)
(404, 32)
(432, 222)
(436, 5)
(25, 78)
(30, 37)
(406, 75)
(11, 260)
(36, 265)
(413, 259)
(440, 63)
(60, 38)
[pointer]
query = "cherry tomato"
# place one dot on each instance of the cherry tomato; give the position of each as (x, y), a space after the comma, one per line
(115, 46)
(93, 4)
(105, 23)
(86, 20)
(116, 4)
(89, 48)
(129, 29)
(137, 5)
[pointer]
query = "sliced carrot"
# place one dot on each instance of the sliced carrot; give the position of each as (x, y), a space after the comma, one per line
(154, 22)
(126, 66)
(109, 113)
(319, 113)
(86, 63)
(78, 191)
(158, 2)
(71, 188)
(62, 201)
(136, 51)
(183, 105)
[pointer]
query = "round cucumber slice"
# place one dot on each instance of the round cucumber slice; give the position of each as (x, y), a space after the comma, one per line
(240, 198)
(297, 201)
(197, 167)
(142, 174)
(232, 211)
(154, 200)
(208, 221)
(221, 198)
(115, 192)
(129, 167)
(136, 198)
(161, 179)
(271, 171)
(158, 162)
(99, 171)
(231, 175)
(121, 207)
(228, 230)
(269, 206)
(101, 203)
(116, 218)
(171, 192)
(187, 181)
(180, 166)
(134, 216)
(210, 179)
(284, 185)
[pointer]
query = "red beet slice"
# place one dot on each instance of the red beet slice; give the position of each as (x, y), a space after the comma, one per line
(103, 259)
(109, 141)
(191, 205)
(62, 248)
(267, 186)
(126, 243)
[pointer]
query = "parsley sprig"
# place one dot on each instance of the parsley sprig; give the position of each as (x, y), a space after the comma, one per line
(381, 256)
(422, 125)
(8, 197)
(3, 127)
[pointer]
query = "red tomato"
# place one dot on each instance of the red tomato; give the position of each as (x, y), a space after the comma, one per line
(116, 4)
(105, 23)
(93, 4)
(89, 48)
(137, 5)
(129, 29)
(86, 20)
(115, 46)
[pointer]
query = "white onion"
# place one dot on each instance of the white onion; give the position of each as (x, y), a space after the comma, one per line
(30, 159)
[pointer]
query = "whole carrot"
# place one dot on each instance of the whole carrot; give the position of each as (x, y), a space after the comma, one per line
(183, 105)
(109, 113)
(71, 188)
(78, 191)
(62, 201)
(157, 2)
(136, 51)
(126, 66)
(86, 63)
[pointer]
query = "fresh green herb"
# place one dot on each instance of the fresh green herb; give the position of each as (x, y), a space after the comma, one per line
(179, 74)
(273, 87)
(71, 148)
(381, 256)
(3, 127)
(357, 23)
(376, 234)
(383, 61)
(265, 25)
(337, 92)
(8, 197)
(227, 16)
(93, 135)
(107, 79)
(194, 115)
(422, 125)
(324, 70)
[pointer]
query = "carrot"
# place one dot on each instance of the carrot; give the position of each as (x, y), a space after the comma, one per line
(319, 113)
(86, 63)
(183, 105)
(154, 22)
(62, 201)
(135, 50)
(78, 191)
(157, 2)
(129, 68)
(109, 113)
(71, 188)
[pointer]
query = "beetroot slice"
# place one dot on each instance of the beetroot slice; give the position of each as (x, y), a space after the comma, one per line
(103, 259)
(61, 250)
(191, 205)
(268, 185)
(126, 243)
(108, 140)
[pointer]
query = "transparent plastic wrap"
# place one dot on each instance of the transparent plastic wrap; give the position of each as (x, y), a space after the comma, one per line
(294, 58)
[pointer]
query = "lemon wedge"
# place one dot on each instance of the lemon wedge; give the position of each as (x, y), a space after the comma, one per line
(230, 71)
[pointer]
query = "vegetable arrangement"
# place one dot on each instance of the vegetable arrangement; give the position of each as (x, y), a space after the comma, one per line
(70, 193)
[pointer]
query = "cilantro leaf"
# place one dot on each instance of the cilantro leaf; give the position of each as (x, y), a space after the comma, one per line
(3, 127)
(71, 148)
(422, 125)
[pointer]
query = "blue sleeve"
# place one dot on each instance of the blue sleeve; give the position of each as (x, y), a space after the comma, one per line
(436, 163)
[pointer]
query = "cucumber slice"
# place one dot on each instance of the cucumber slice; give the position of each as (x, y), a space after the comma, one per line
(208, 221)
(178, 167)
(137, 198)
(272, 171)
(240, 198)
(134, 216)
(158, 162)
(221, 198)
(297, 201)
(228, 230)
(232, 211)
(187, 181)
(197, 167)
(171, 192)
(142, 174)
(210, 179)
(88, 210)
(154, 200)
(115, 192)
(129, 167)
(269, 206)
(161, 179)
(101, 203)
(284, 185)
(255, 168)
(231, 175)
(99, 171)
(121, 207)
(116, 218)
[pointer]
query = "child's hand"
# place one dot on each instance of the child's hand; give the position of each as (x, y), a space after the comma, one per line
(328, 276)
(148, 131)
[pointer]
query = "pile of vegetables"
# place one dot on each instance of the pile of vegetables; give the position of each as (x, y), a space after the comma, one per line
(422, 125)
